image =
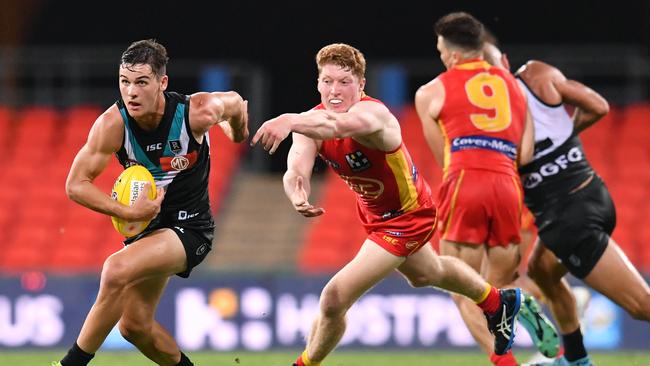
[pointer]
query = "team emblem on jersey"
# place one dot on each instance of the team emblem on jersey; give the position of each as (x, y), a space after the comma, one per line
(357, 161)
(180, 163)
(367, 188)
(175, 146)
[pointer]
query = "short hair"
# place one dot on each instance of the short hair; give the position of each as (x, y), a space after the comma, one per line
(147, 52)
(462, 30)
(343, 55)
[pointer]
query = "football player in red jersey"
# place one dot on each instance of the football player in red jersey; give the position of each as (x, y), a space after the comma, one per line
(361, 140)
(475, 121)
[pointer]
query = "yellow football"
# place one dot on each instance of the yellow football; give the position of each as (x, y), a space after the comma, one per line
(126, 190)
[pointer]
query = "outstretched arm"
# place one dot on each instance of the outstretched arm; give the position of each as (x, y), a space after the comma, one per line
(363, 119)
(296, 180)
(227, 109)
(105, 138)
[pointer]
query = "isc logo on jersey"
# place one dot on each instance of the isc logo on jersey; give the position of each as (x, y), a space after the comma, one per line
(126, 190)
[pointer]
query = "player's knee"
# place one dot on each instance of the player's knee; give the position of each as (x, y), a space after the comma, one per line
(536, 272)
(114, 273)
(132, 331)
(420, 280)
(640, 310)
(331, 303)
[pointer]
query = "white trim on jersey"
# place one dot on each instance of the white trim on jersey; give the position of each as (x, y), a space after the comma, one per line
(550, 122)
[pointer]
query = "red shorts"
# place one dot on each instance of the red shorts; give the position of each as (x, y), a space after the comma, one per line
(480, 207)
(407, 233)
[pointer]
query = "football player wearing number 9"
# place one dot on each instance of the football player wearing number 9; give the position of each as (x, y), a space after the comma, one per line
(167, 133)
(475, 122)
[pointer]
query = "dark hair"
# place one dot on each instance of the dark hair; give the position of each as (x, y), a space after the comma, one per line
(147, 52)
(461, 29)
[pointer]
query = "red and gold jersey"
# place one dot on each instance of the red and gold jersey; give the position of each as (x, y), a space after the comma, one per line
(387, 183)
(482, 118)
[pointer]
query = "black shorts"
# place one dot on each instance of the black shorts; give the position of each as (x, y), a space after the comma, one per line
(196, 241)
(577, 228)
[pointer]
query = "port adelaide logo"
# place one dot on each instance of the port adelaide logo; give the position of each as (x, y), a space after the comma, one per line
(175, 146)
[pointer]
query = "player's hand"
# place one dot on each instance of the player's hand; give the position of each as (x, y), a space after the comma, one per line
(272, 133)
(300, 202)
(145, 209)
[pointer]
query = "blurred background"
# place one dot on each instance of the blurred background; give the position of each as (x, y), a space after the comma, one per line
(258, 288)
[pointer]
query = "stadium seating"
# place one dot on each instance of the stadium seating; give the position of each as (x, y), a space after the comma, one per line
(40, 228)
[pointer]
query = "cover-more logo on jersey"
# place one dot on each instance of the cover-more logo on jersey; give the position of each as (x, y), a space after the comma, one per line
(357, 161)
(485, 142)
(559, 164)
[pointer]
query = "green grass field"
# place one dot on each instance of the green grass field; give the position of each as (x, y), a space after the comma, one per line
(339, 358)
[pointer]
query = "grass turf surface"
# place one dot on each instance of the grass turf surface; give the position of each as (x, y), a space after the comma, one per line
(339, 358)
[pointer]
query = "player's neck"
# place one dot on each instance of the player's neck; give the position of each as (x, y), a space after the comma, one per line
(150, 121)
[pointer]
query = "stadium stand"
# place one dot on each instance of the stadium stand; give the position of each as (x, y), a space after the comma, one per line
(40, 228)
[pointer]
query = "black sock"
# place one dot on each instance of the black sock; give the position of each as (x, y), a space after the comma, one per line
(77, 357)
(574, 348)
(184, 361)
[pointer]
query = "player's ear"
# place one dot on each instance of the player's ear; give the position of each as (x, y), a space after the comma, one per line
(164, 81)
(454, 58)
(505, 62)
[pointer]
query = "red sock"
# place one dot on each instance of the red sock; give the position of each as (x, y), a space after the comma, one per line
(491, 302)
(507, 359)
(299, 361)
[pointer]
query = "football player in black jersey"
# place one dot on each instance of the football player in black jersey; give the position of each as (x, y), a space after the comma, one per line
(167, 133)
(573, 210)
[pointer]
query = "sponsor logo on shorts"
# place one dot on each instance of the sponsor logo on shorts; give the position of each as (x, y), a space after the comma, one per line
(390, 240)
(202, 249)
(411, 244)
(394, 233)
(391, 214)
(184, 215)
(575, 260)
